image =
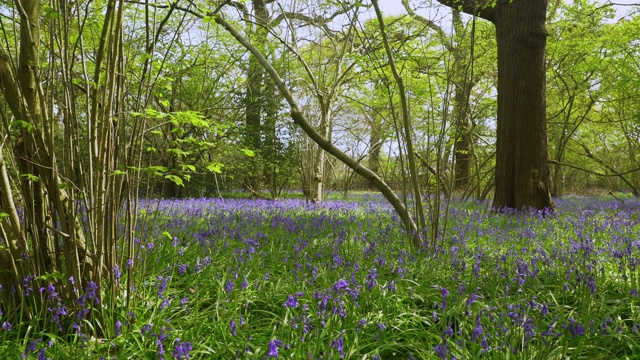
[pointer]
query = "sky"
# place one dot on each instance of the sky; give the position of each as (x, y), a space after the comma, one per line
(394, 7)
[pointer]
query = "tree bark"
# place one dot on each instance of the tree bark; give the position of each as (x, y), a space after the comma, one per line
(375, 146)
(522, 172)
(462, 83)
(255, 100)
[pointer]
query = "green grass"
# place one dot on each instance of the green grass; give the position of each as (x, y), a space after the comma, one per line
(349, 276)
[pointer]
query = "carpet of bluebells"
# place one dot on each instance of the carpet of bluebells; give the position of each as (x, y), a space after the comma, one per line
(257, 279)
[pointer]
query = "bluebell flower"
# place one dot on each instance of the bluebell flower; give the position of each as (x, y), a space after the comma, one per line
(181, 349)
(292, 302)
(272, 349)
(31, 346)
(477, 330)
(340, 285)
(448, 331)
(118, 328)
(116, 272)
(232, 327)
(441, 350)
(575, 328)
(42, 353)
(371, 279)
(444, 292)
(392, 286)
(338, 344)
(228, 286)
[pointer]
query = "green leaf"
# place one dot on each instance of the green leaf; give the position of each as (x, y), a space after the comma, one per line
(248, 152)
(178, 152)
(31, 177)
(176, 179)
(215, 167)
(24, 125)
(52, 276)
(117, 172)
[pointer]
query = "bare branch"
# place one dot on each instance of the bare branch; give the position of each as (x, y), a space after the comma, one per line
(430, 24)
(301, 121)
(480, 8)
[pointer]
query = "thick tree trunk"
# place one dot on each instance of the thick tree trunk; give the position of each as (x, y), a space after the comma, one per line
(522, 172)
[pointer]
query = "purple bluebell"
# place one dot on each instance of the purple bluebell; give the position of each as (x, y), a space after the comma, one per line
(272, 348)
(232, 327)
(371, 279)
(338, 345)
(228, 286)
(441, 350)
(181, 349)
(292, 302)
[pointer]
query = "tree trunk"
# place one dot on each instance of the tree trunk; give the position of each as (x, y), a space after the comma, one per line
(254, 100)
(522, 172)
(317, 189)
(463, 84)
(375, 146)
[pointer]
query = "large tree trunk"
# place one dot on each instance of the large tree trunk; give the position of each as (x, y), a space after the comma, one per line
(522, 172)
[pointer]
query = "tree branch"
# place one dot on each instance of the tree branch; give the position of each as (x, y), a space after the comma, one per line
(9, 85)
(481, 8)
(301, 121)
(444, 39)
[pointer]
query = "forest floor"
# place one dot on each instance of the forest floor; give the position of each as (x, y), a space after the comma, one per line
(256, 279)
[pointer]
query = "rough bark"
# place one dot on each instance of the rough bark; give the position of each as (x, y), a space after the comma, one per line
(462, 83)
(522, 172)
(255, 100)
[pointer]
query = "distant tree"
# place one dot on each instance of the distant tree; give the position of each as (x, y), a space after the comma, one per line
(522, 172)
